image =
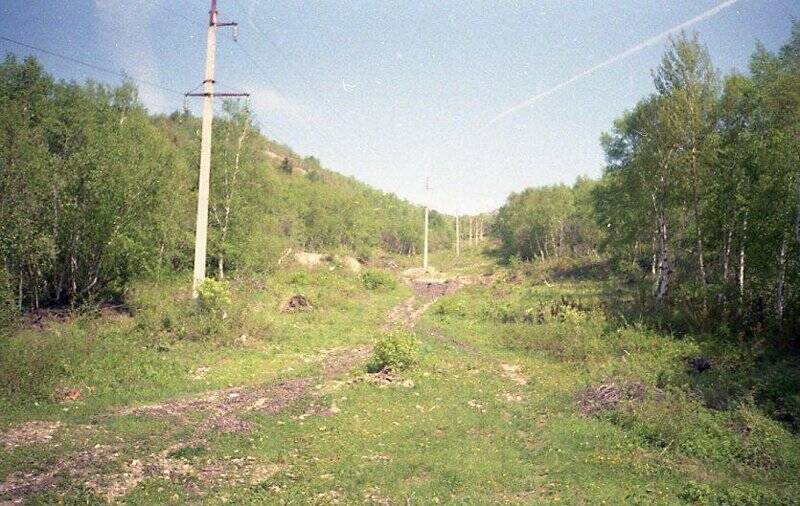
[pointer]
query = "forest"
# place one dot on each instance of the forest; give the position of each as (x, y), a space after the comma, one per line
(96, 191)
(700, 198)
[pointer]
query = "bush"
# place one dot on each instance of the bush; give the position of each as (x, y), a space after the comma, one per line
(374, 279)
(215, 297)
(737, 495)
(396, 351)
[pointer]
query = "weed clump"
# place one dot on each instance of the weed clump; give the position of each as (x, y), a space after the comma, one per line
(374, 279)
(214, 297)
(451, 307)
(395, 351)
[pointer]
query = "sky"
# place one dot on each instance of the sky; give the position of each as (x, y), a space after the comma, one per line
(480, 98)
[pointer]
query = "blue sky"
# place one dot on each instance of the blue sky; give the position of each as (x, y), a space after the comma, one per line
(394, 92)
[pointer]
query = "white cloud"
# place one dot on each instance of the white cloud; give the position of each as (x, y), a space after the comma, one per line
(266, 101)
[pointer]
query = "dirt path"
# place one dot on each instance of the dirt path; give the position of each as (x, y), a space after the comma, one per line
(407, 313)
(221, 412)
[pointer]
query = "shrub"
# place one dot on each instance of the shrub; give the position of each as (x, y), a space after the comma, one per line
(737, 495)
(215, 297)
(396, 351)
(374, 279)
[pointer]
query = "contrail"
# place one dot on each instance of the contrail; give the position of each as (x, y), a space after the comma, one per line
(614, 59)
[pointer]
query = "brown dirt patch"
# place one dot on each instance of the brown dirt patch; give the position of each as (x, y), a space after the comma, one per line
(407, 313)
(19, 484)
(28, 433)
(609, 396)
(296, 303)
(433, 289)
(167, 465)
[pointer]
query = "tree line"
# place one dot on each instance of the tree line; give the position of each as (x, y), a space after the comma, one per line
(700, 194)
(96, 191)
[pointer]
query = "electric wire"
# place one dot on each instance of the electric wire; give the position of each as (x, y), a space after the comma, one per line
(123, 74)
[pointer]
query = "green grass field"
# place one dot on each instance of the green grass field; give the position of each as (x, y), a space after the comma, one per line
(522, 392)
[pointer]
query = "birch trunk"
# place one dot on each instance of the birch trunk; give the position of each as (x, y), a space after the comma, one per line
(664, 271)
(780, 303)
(726, 256)
(742, 258)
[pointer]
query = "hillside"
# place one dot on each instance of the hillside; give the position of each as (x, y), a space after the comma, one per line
(100, 193)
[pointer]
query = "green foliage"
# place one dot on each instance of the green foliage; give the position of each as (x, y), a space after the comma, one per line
(395, 351)
(548, 221)
(214, 297)
(450, 307)
(102, 193)
(91, 185)
(701, 195)
(8, 304)
(374, 279)
(515, 262)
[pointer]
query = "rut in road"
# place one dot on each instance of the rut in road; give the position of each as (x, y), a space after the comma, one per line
(407, 313)
(220, 409)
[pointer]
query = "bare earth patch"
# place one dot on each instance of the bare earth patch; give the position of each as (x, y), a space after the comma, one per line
(28, 433)
(191, 473)
(426, 292)
(221, 409)
(512, 372)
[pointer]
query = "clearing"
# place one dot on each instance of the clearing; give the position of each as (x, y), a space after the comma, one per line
(524, 393)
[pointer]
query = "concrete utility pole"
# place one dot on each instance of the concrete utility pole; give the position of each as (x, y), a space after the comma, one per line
(425, 253)
(201, 231)
(458, 239)
(470, 231)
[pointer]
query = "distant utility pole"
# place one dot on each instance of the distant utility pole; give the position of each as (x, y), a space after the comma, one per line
(470, 231)
(425, 253)
(201, 232)
(458, 239)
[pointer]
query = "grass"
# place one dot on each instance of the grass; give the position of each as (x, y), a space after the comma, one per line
(491, 416)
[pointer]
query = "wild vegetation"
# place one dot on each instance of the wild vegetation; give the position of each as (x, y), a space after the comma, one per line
(97, 192)
(701, 195)
(628, 340)
(508, 390)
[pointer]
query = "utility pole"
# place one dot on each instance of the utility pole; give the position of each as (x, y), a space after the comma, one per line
(470, 231)
(458, 239)
(201, 231)
(425, 253)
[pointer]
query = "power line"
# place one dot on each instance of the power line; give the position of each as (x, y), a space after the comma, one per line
(280, 52)
(123, 75)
